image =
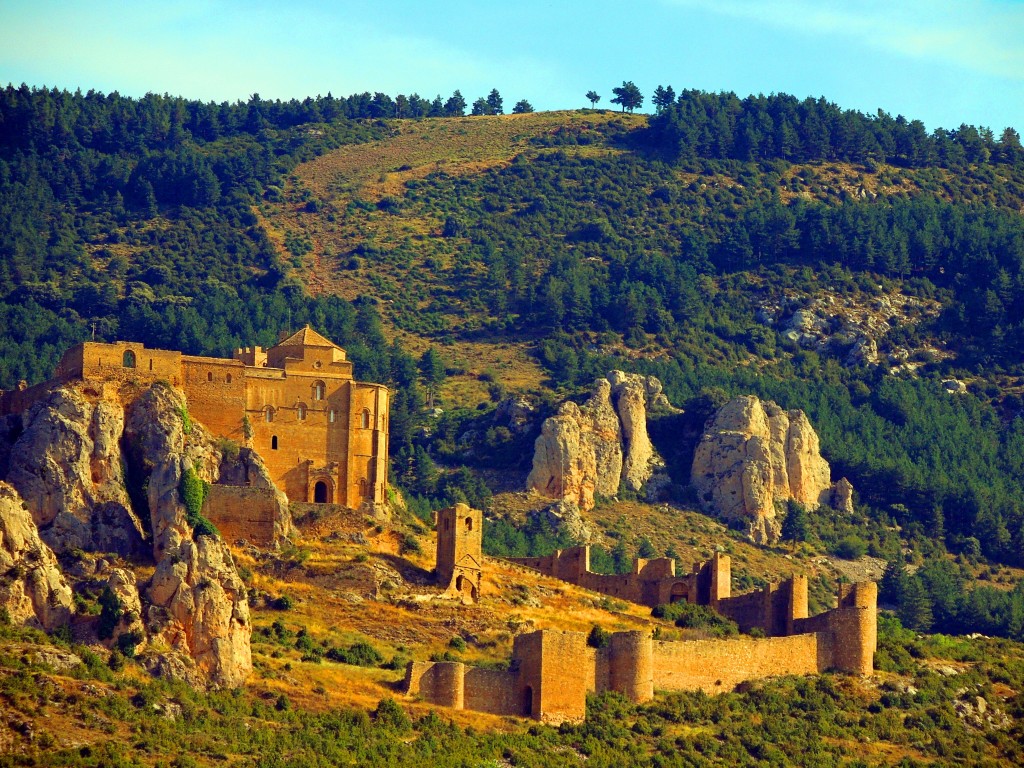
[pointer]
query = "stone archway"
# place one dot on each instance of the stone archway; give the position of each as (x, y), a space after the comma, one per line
(320, 492)
(680, 593)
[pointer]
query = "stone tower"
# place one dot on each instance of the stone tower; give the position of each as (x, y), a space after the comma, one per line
(459, 555)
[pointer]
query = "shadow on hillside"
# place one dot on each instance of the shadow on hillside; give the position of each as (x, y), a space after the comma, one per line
(411, 574)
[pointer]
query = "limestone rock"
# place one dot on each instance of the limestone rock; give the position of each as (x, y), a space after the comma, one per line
(201, 601)
(67, 466)
(247, 469)
(32, 588)
(207, 614)
(842, 496)
(753, 454)
(122, 584)
(517, 413)
(565, 516)
(591, 449)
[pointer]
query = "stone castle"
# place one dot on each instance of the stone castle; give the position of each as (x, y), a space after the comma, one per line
(322, 435)
(551, 672)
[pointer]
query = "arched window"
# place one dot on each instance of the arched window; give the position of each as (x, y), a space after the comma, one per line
(318, 390)
(128, 361)
(209, 375)
(331, 415)
(228, 378)
(268, 414)
(273, 443)
(301, 411)
(366, 418)
(362, 487)
(469, 523)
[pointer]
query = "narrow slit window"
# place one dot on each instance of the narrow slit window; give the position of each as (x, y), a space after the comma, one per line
(273, 443)
(366, 418)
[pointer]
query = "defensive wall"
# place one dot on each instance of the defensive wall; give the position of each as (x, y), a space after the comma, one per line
(243, 512)
(550, 673)
(322, 435)
(774, 609)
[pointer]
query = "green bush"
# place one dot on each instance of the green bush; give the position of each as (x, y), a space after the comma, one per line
(850, 548)
(360, 654)
(193, 491)
(689, 616)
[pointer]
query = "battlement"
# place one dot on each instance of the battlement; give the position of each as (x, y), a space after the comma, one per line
(551, 673)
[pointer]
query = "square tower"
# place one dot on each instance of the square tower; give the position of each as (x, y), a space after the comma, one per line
(459, 550)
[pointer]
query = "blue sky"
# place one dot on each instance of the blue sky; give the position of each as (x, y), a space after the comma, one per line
(942, 61)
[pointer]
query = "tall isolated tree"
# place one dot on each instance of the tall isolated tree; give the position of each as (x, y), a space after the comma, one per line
(522, 106)
(494, 101)
(628, 96)
(593, 98)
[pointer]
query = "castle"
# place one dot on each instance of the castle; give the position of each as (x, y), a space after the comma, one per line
(322, 435)
(551, 673)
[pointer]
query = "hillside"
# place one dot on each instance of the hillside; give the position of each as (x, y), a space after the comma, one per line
(848, 265)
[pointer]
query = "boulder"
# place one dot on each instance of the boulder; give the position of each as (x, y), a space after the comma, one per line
(842, 496)
(32, 587)
(754, 454)
(565, 516)
(594, 448)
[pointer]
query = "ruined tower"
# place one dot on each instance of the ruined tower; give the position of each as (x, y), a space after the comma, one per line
(459, 555)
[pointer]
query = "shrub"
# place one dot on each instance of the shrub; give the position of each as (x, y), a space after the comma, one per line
(850, 548)
(193, 492)
(690, 616)
(360, 654)
(598, 637)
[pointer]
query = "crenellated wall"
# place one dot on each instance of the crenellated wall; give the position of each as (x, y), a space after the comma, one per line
(551, 672)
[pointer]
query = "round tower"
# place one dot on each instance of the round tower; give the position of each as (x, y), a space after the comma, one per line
(631, 665)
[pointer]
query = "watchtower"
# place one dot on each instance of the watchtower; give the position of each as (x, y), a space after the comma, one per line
(459, 551)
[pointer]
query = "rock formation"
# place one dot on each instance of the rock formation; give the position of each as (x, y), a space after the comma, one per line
(753, 454)
(67, 466)
(591, 448)
(199, 604)
(74, 460)
(32, 587)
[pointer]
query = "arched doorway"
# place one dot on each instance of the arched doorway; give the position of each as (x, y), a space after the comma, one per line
(679, 593)
(320, 492)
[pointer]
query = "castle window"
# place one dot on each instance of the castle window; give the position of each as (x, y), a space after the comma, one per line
(362, 487)
(268, 414)
(229, 378)
(366, 418)
(331, 415)
(273, 443)
(318, 390)
(151, 363)
(128, 361)
(469, 523)
(446, 522)
(209, 375)
(301, 411)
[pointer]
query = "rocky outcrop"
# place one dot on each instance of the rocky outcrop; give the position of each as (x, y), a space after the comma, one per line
(593, 448)
(67, 466)
(32, 587)
(564, 516)
(198, 601)
(247, 469)
(754, 454)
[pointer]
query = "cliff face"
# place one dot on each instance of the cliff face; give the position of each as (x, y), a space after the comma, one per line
(69, 465)
(591, 449)
(32, 587)
(754, 454)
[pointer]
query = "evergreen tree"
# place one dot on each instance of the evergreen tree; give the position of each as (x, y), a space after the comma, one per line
(795, 524)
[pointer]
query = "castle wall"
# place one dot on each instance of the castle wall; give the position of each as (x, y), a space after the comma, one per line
(556, 669)
(306, 412)
(242, 512)
(215, 389)
(716, 666)
(495, 691)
